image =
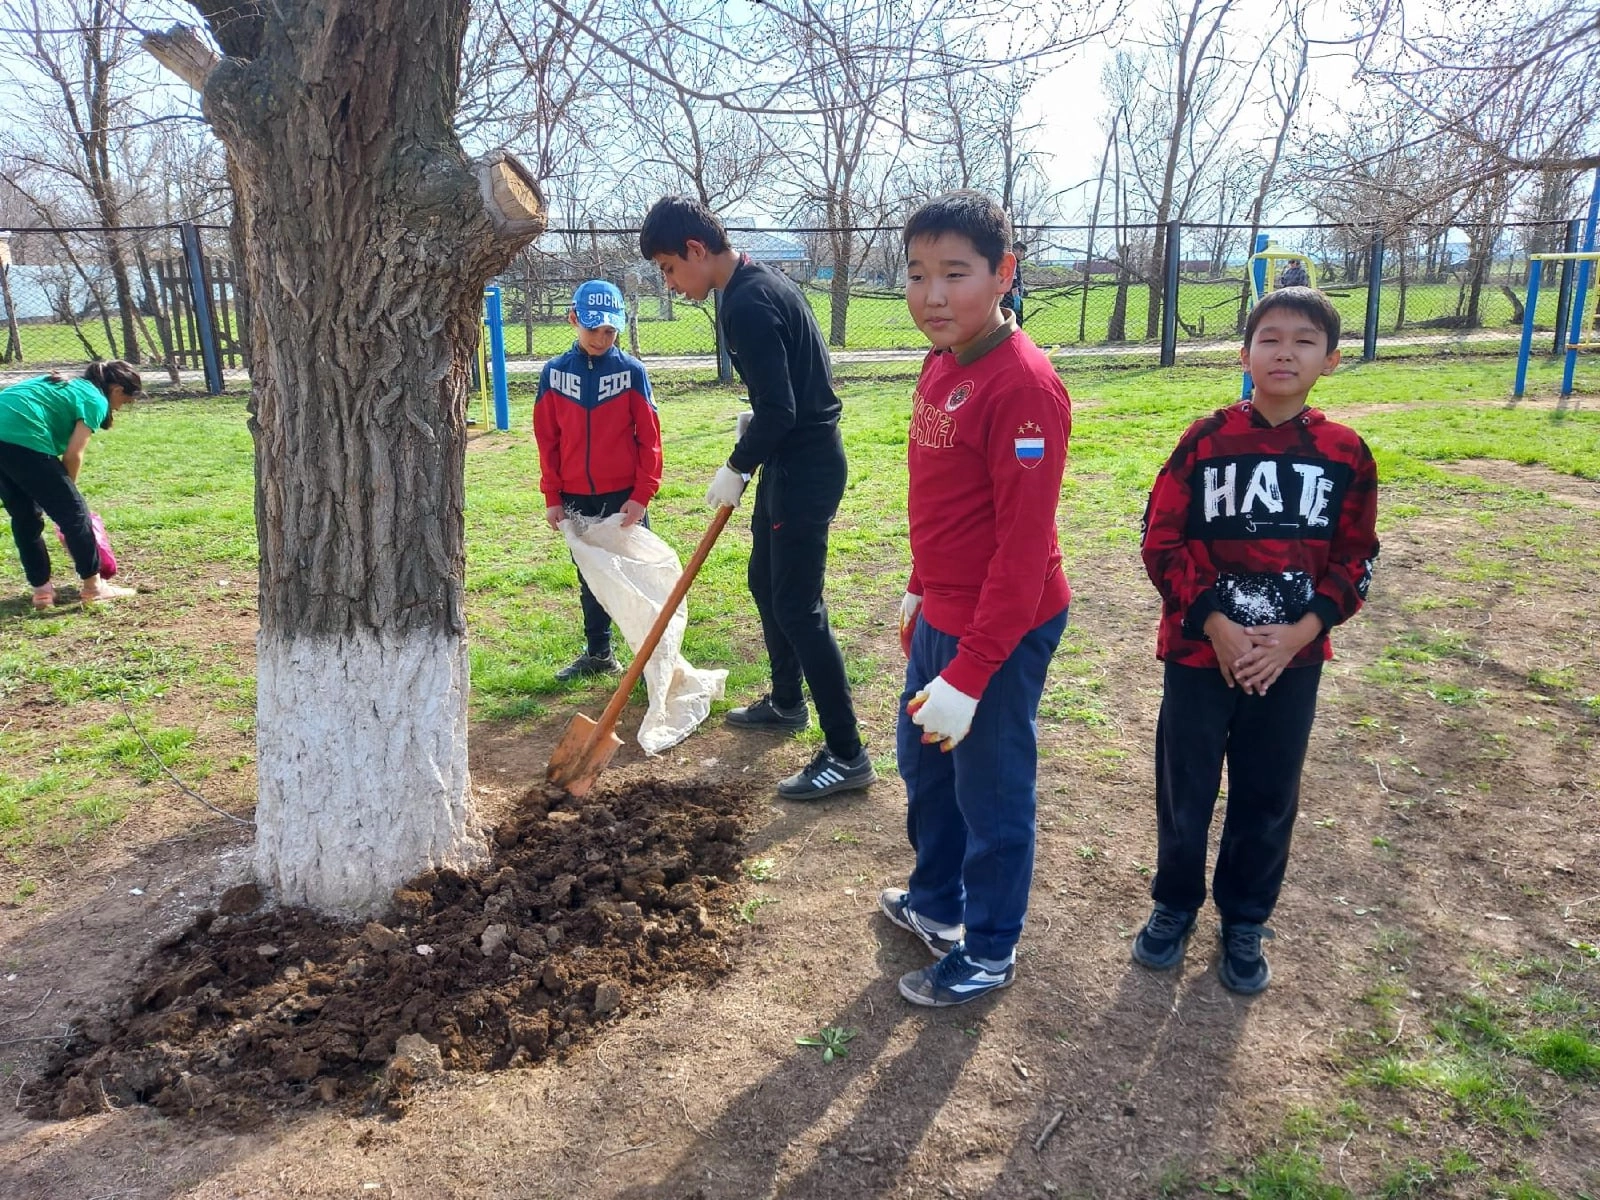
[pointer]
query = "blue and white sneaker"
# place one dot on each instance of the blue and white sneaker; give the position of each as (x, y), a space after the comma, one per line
(939, 939)
(955, 979)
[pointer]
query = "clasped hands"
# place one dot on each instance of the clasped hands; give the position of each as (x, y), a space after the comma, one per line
(1253, 656)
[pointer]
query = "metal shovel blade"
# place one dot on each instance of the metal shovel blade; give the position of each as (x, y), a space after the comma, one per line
(580, 756)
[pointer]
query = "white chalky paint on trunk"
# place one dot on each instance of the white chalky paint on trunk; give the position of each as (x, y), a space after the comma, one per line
(353, 801)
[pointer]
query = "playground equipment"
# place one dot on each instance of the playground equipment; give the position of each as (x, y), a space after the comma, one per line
(1586, 258)
(489, 368)
(1263, 265)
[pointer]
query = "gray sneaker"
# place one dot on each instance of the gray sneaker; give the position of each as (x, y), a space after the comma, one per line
(587, 664)
(764, 714)
(825, 775)
(1162, 941)
(939, 939)
(1243, 968)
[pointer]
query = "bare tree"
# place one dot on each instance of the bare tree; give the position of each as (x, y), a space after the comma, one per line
(1523, 93)
(1181, 91)
(72, 136)
(369, 236)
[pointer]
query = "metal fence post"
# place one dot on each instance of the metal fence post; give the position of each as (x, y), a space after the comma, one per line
(1369, 336)
(199, 295)
(1169, 299)
(1564, 289)
(724, 363)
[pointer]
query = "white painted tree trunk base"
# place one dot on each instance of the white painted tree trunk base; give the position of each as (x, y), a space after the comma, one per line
(356, 799)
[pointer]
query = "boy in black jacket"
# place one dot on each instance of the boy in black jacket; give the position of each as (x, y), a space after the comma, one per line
(772, 337)
(1260, 536)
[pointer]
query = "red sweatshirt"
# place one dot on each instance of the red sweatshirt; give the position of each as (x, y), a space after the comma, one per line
(987, 451)
(1262, 523)
(596, 427)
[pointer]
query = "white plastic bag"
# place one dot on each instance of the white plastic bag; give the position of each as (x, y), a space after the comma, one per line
(631, 572)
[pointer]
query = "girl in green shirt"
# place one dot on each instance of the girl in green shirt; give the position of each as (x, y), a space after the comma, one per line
(45, 423)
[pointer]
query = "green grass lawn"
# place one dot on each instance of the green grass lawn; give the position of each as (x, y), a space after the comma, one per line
(174, 483)
(879, 320)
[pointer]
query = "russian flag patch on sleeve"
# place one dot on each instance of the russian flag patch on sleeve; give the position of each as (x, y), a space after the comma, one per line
(1029, 444)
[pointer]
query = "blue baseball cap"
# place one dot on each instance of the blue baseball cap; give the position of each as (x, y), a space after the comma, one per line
(599, 303)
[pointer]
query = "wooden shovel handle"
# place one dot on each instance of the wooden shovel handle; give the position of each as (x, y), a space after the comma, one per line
(641, 656)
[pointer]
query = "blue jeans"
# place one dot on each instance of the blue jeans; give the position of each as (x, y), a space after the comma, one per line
(970, 813)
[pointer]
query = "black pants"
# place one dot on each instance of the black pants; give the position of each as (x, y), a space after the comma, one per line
(1264, 740)
(34, 485)
(596, 620)
(796, 499)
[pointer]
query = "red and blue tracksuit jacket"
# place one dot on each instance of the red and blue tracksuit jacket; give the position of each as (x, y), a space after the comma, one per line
(596, 427)
(1263, 523)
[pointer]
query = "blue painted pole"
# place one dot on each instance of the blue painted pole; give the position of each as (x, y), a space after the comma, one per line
(1527, 327)
(1369, 331)
(1258, 268)
(200, 296)
(1580, 294)
(497, 358)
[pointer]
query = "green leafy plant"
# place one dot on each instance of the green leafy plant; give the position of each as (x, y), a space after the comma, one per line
(834, 1040)
(761, 870)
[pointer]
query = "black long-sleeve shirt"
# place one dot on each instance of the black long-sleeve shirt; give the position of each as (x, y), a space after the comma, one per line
(775, 343)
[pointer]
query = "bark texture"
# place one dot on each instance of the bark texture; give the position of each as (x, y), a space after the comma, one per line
(368, 238)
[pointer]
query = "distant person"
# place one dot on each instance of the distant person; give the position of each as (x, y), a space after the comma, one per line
(792, 437)
(985, 606)
(1294, 275)
(1260, 535)
(599, 444)
(1011, 301)
(45, 425)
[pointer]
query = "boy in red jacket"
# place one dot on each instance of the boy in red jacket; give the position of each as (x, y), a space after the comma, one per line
(1260, 536)
(599, 444)
(986, 604)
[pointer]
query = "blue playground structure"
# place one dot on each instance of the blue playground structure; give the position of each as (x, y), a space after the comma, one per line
(489, 368)
(1263, 267)
(1586, 258)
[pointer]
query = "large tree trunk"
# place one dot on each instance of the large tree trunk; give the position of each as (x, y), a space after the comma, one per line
(367, 245)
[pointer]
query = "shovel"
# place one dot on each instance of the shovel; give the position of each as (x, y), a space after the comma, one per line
(587, 746)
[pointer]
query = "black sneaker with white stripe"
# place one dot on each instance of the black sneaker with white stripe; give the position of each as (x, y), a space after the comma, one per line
(827, 774)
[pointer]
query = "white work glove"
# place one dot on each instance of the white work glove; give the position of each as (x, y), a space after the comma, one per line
(727, 486)
(743, 423)
(944, 713)
(910, 605)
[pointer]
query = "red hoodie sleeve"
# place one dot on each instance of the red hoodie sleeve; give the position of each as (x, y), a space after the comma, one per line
(1025, 500)
(1169, 559)
(547, 434)
(647, 436)
(1343, 587)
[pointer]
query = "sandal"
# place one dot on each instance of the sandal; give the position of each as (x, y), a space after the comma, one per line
(44, 597)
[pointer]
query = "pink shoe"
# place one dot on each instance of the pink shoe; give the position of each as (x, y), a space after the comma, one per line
(44, 597)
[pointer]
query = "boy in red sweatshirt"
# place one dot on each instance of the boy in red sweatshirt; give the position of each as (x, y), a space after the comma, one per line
(599, 444)
(986, 604)
(1260, 536)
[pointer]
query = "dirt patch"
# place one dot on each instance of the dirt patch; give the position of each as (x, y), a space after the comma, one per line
(1584, 493)
(585, 907)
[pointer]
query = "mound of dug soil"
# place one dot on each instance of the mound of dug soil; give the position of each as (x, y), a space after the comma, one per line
(587, 908)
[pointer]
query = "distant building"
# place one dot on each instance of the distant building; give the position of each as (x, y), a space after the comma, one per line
(779, 250)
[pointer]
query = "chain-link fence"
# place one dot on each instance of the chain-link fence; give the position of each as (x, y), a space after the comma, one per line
(150, 294)
(155, 295)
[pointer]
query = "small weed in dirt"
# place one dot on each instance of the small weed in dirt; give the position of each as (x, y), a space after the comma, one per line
(761, 870)
(747, 908)
(833, 1040)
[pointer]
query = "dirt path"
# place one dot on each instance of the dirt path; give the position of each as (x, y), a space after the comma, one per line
(1447, 829)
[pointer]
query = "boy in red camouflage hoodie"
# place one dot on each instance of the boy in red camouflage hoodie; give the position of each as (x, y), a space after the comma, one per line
(1260, 536)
